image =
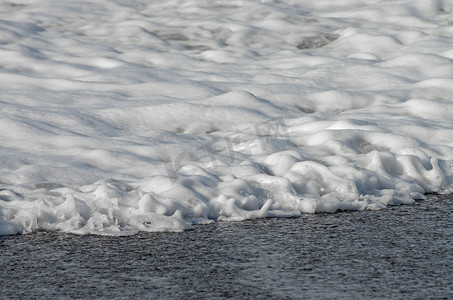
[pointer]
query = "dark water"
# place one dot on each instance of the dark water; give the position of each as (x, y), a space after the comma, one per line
(403, 252)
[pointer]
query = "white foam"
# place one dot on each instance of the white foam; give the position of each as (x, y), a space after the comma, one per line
(118, 117)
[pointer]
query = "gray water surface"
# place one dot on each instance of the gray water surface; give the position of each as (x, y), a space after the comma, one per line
(403, 252)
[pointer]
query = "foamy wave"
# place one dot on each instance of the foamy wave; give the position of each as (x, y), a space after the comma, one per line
(123, 117)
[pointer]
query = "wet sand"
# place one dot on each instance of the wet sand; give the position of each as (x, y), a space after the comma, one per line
(402, 252)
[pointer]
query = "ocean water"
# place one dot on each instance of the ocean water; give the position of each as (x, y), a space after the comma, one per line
(402, 252)
(119, 117)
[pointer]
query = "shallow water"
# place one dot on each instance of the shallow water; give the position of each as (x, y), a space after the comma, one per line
(402, 252)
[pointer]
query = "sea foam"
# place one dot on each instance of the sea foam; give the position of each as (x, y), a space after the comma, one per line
(119, 117)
